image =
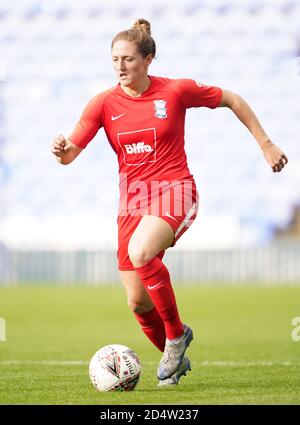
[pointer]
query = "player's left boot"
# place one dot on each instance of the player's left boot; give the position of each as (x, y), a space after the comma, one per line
(184, 367)
(173, 355)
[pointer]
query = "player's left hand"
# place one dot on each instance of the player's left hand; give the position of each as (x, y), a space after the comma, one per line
(275, 157)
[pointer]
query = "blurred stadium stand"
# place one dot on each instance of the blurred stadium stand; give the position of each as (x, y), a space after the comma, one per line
(57, 56)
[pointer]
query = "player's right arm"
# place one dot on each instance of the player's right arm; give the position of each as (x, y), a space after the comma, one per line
(64, 150)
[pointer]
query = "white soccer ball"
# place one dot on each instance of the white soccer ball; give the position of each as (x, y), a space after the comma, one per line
(115, 368)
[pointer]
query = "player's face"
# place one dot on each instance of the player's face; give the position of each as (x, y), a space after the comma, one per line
(129, 65)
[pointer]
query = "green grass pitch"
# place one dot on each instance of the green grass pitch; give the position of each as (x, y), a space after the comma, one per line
(242, 351)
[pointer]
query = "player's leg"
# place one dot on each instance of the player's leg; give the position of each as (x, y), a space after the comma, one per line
(153, 235)
(143, 308)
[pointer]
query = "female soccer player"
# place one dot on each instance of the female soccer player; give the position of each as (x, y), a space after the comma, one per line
(143, 117)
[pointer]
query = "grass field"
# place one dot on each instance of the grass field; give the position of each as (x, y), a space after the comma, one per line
(242, 351)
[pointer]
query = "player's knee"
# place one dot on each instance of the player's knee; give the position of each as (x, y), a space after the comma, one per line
(138, 256)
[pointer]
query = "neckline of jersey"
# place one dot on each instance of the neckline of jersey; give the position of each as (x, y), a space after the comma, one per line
(142, 96)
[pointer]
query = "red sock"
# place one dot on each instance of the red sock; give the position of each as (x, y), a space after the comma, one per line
(156, 279)
(153, 327)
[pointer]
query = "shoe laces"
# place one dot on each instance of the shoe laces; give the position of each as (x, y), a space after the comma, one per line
(171, 352)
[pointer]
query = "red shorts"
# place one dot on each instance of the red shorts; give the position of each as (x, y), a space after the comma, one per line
(179, 209)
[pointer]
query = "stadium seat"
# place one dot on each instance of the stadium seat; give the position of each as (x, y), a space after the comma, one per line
(58, 56)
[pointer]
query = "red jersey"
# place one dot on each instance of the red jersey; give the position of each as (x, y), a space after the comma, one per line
(146, 132)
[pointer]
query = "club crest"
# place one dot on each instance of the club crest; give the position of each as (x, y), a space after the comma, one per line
(160, 109)
(200, 84)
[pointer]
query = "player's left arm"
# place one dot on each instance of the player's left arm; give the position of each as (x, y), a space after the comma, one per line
(273, 155)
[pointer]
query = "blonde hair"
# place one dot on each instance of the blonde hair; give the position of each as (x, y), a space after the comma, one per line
(139, 33)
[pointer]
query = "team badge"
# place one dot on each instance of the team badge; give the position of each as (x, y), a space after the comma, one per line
(200, 84)
(160, 109)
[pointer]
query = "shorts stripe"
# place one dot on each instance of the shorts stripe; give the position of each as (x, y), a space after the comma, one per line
(187, 219)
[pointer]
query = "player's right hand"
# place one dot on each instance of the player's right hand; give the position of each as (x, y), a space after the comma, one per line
(58, 145)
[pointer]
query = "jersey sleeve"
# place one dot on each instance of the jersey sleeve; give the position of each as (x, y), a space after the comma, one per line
(195, 94)
(89, 123)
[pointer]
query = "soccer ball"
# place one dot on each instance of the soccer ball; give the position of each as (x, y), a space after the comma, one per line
(115, 368)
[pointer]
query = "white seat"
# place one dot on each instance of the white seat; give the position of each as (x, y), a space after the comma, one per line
(246, 47)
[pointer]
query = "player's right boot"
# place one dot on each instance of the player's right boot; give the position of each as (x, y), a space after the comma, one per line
(173, 355)
(184, 367)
